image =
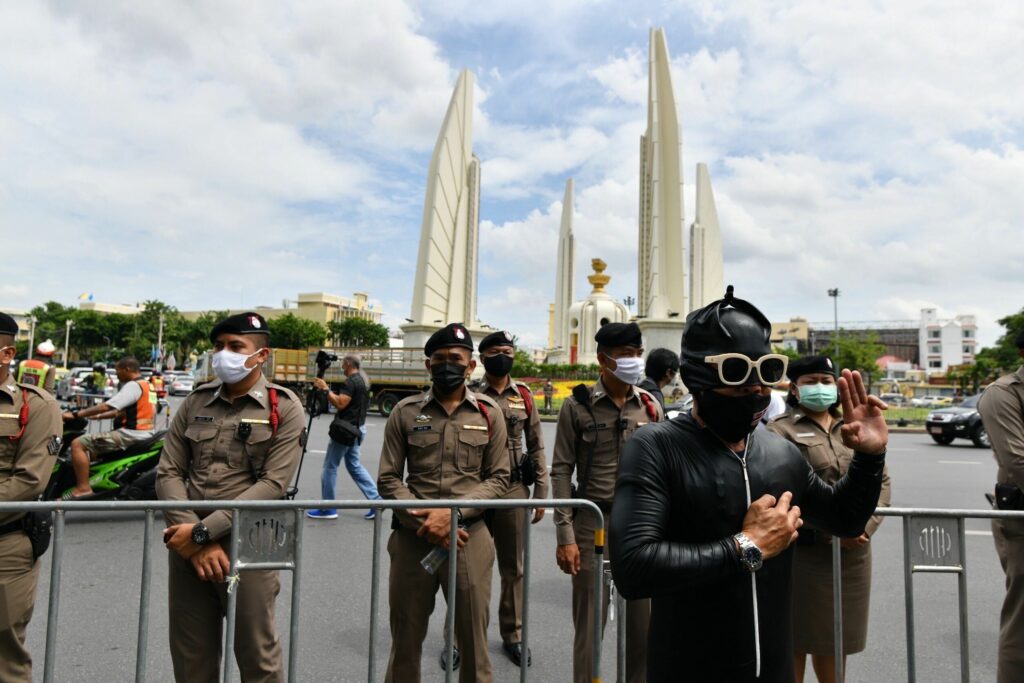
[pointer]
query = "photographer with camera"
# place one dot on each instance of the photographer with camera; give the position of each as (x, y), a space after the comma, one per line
(347, 431)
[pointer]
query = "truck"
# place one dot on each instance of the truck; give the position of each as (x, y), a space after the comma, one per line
(394, 372)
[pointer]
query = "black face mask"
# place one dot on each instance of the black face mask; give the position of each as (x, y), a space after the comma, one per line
(447, 377)
(732, 418)
(498, 366)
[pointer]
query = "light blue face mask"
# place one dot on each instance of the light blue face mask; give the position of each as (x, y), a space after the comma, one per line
(818, 397)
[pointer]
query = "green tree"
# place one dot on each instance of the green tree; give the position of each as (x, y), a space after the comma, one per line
(859, 352)
(357, 333)
(197, 333)
(792, 354)
(523, 365)
(1004, 357)
(292, 332)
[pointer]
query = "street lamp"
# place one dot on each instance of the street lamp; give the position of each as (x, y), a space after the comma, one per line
(31, 335)
(834, 293)
(629, 301)
(67, 340)
(160, 343)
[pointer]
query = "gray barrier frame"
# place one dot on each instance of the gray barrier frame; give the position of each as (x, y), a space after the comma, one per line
(298, 508)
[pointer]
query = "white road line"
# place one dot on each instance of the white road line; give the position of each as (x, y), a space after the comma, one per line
(977, 532)
(959, 462)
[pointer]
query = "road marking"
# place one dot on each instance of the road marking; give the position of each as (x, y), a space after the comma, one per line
(959, 462)
(977, 532)
(320, 452)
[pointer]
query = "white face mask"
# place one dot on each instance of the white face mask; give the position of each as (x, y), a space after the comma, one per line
(230, 366)
(629, 370)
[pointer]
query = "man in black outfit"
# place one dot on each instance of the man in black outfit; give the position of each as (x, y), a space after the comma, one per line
(706, 508)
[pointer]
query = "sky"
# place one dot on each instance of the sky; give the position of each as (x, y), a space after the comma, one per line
(234, 154)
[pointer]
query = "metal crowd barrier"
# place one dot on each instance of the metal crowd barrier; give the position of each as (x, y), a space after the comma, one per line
(267, 534)
(934, 541)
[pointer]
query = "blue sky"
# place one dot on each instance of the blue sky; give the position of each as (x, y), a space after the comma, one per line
(217, 155)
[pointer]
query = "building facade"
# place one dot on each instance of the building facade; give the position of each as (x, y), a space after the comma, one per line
(320, 307)
(946, 343)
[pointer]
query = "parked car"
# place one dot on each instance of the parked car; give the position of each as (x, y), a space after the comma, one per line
(70, 384)
(181, 385)
(958, 422)
(931, 401)
(895, 400)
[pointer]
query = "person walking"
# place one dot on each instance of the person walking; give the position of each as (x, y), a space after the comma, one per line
(348, 429)
(594, 425)
(30, 438)
(238, 437)
(814, 424)
(529, 469)
(444, 443)
(1002, 412)
(549, 396)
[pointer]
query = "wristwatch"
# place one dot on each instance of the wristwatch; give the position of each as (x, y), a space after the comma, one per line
(201, 535)
(749, 553)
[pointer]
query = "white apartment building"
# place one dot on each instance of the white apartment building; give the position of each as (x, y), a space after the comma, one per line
(944, 343)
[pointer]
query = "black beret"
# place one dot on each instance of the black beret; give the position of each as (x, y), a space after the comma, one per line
(501, 338)
(809, 365)
(454, 334)
(619, 334)
(243, 323)
(1020, 340)
(8, 325)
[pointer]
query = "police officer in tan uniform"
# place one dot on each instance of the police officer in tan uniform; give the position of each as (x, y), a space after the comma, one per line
(236, 438)
(1002, 412)
(497, 353)
(444, 443)
(30, 429)
(593, 426)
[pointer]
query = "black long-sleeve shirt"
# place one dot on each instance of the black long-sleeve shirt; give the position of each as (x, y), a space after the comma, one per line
(679, 499)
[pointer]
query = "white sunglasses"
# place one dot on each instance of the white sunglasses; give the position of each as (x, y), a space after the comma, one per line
(734, 368)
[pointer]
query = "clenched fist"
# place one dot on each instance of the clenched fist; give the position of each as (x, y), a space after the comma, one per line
(772, 525)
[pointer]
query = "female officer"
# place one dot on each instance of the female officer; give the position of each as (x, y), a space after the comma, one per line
(813, 423)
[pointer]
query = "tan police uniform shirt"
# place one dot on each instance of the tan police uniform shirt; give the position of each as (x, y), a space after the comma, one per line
(204, 458)
(1002, 412)
(27, 462)
(429, 454)
(518, 424)
(828, 456)
(578, 434)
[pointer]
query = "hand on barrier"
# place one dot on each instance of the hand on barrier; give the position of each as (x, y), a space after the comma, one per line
(568, 558)
(538, 514)
(437, 526)
(179, 539)
(212, 563)
(864, 429)
(772, 525)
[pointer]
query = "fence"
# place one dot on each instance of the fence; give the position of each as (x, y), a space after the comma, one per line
(267, 534)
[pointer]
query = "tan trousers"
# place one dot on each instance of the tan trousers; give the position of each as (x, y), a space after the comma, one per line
(638, 614)
(1009, 540)
(18, 575)
(197, 611)
(411, 594)
(507, 527)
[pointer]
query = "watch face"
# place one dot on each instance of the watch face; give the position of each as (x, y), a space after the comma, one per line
(752, 557)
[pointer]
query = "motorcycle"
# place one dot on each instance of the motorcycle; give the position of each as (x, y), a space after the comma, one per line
(128, 474)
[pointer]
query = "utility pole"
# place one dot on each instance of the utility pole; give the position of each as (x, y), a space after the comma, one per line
(67, 341)
(837, 563)
(834, 293)
(31, 335)
(160, 343)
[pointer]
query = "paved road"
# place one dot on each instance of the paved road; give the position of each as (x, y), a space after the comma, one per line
(100, 587)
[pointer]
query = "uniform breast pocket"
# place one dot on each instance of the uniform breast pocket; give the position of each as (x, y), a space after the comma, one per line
(471, 449)
(8, 448)
(423, 452)
(257, 446)
(201, 439)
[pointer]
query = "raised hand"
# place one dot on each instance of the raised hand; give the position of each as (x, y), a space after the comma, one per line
(864, 429)
(772, 525)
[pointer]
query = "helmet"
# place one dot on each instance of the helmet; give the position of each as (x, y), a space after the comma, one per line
(99, 367)
(729, 325)
(46, 348)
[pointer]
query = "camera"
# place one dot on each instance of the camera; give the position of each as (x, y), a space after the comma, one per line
(323, 361)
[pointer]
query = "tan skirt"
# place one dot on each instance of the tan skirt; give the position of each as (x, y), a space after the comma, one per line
(812, 599)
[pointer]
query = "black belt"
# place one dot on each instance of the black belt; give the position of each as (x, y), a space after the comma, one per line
(604, 505)
(11, 527)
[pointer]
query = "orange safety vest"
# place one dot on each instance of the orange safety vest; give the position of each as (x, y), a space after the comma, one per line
(157, 382)
(142, 414)
(33, 372)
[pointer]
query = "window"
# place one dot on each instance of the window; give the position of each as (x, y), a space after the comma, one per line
(934, 334)
(968, 349)
(935, 363)
(934, 348)
(968, 334)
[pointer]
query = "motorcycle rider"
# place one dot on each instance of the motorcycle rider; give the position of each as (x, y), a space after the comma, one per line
(707, 507)
(39, 371)
(29, 442)
(134, 411)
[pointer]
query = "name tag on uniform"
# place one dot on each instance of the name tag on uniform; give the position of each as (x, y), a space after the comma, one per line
(475, 428)
(254, 421)
(805, 435)
(9, 416)
(203, 418)
(422, 428)
(640, 424)
(595, 427)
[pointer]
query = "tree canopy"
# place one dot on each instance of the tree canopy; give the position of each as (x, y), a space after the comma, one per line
(357, 333)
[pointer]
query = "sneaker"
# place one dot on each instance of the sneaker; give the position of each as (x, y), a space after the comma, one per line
(372, 514)
(322, 514)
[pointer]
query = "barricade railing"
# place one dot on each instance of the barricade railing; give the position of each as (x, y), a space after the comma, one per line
(267, 534)
(933, 542)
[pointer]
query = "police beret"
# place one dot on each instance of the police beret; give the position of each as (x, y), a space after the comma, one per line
(8, 325)
(454, 334)
(501, 338)
(809, 365)
(619, 334)
(243, 323)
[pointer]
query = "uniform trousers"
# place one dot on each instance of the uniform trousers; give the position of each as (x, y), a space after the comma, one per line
(18, 575)
(1009, 540)
(411, 594)
(638, 613)
(507, 527)
(197, 611)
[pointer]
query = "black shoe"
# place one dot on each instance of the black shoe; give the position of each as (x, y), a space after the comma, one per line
(514, 651)
(456, 659)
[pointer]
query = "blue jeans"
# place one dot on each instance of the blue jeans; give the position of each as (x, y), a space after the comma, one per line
(362, 478)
